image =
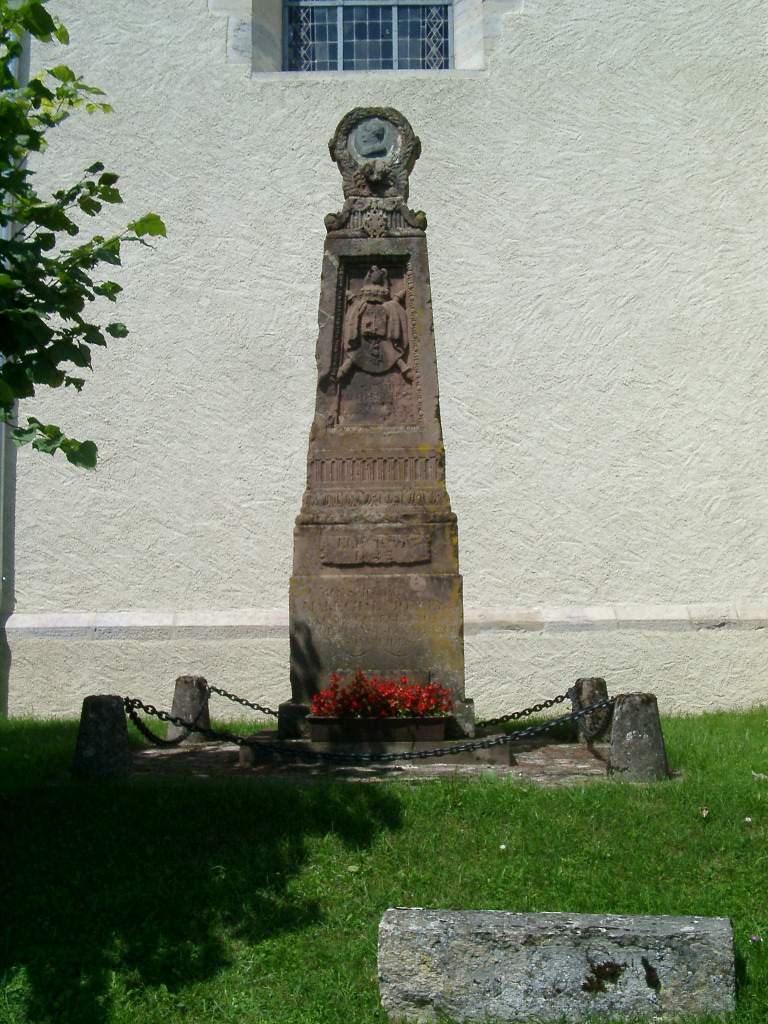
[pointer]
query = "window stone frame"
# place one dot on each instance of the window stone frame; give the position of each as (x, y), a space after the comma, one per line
(255, 35)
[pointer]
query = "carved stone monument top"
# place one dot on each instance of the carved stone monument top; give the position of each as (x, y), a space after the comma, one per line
(375, 149)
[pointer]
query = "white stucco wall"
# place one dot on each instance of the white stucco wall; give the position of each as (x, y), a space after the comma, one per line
(597, 240)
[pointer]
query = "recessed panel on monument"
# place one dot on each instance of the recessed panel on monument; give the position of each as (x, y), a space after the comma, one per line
(376, 581)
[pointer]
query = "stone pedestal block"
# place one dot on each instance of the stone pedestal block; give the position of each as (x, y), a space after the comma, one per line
(101, 749)
(190, 702)
(468, 966)
(591, 690)
(638, 753)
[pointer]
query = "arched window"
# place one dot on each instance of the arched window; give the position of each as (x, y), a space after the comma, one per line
(322, 35)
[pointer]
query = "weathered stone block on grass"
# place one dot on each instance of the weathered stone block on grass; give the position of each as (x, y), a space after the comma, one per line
(483, 966)
(190, 703)
(591, 690)
(101, 749)
(638, 753)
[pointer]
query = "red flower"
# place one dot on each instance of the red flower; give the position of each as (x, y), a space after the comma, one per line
(373, 697)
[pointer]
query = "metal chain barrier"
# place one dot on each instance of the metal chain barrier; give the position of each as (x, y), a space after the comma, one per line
(526, 712)
(241, 700)
(159, 741)
(486, 723)
(133, 704)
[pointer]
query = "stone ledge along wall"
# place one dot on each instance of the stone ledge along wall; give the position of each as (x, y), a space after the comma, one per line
(597, 211)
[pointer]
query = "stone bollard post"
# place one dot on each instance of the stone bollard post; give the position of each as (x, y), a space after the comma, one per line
(101, 750)
(637, 744)
(190, 702)
(594, 727)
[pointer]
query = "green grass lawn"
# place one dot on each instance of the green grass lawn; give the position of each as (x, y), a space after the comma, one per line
(244, 901)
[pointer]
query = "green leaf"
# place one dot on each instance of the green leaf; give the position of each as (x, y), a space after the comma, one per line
(38, 92)
(23, 435)
(110, 289)
(6, 281)
(89, 205)
(109, 251)
(149, 224)
(45, 372)
(47, 445)
(109, 194)
(50, 215)
(80, 453)
(46, 240)
(7, 397)
(117, 330)
(62, 35)
(63, 73)
(95, 168)
(16, 378)
(38, 21)
(108, 178)
(92, 335)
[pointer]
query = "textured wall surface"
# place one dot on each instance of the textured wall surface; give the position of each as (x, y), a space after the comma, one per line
(597, 242)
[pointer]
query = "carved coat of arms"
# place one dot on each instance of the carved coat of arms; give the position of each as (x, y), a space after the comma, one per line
(375, 334)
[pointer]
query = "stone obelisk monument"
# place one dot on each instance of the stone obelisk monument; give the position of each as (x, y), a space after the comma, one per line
(376, 581)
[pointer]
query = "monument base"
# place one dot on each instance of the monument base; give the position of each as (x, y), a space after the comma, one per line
(251, 756)
(387, 624)
(293, 724)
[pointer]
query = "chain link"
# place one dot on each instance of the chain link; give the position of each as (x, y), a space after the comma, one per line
(133, 704)
(153, 737)
(526, 712)
(241, 700)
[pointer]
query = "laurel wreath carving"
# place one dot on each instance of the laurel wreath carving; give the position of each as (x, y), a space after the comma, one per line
(387, 177)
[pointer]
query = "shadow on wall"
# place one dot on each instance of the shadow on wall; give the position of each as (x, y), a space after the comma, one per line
(151, 883)
(7, 561)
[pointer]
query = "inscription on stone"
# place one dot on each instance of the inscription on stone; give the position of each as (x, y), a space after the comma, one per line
(385, 547)
(350, 498)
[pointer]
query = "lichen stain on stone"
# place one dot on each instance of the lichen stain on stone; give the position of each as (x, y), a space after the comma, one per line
(651, 974)
(607, 971)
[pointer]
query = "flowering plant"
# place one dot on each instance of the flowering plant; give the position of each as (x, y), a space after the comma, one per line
(371, 697)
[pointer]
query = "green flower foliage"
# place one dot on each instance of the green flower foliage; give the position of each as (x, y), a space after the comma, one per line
(46, 337)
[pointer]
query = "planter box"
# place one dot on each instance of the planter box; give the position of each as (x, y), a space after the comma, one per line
(376, 730)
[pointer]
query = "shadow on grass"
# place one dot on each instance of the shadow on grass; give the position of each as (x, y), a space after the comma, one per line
(155, 882)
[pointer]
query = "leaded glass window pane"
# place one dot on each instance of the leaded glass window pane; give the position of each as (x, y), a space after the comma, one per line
(367, 35)
(326, 36)
(312, 37)
(422, 33)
